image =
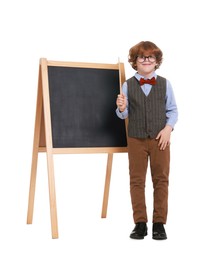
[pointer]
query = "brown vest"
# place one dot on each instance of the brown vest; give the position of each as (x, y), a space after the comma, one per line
(147, 114)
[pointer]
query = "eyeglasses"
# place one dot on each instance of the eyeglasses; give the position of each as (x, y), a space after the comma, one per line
(143, 58)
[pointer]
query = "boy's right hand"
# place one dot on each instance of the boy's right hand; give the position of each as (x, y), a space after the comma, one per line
(121, 102)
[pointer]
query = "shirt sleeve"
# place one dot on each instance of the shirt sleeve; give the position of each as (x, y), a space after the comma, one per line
(171, 106)
(124, 114)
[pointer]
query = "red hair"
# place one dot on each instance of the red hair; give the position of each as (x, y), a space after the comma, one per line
(144, 48)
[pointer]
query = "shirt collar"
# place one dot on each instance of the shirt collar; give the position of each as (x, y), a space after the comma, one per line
(138, 76)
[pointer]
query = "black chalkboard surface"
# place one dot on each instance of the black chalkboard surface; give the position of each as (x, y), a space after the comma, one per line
(83, 104)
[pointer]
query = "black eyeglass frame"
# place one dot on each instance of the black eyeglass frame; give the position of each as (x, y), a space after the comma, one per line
(143, 58)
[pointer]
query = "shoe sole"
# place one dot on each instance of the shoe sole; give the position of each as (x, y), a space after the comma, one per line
(158, 238)
(138, 237)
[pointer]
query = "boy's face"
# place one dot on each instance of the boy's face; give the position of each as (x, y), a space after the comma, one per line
(146, 64)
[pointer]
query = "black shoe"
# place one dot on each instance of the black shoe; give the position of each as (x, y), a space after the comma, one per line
(158, 231)
(140, 231)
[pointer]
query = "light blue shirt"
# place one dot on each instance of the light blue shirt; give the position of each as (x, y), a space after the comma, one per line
(170, 103)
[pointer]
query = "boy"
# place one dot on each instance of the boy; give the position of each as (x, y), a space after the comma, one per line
(148, 101)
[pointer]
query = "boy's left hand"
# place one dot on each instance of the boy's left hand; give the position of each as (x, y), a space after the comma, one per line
(164, 137)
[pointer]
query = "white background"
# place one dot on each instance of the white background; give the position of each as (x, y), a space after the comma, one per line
(100, 31)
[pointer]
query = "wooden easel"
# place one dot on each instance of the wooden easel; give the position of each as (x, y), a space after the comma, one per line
(43, 143)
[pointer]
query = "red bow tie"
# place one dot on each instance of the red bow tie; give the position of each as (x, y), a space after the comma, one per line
(151, 81)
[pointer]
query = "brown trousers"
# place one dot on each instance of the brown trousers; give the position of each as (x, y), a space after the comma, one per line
(139, 151)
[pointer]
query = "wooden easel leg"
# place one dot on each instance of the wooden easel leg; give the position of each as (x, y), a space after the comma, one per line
(35, 151)
(49, 147)
(32, 187)
(52, 195)
(107, 185)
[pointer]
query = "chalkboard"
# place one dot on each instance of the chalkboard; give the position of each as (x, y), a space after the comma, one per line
(82, 105)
